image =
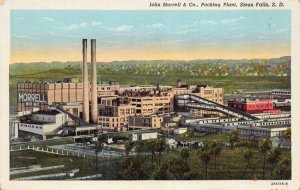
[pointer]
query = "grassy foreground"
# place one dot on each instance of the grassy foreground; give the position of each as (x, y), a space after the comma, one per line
(26, 158)
(230, 165)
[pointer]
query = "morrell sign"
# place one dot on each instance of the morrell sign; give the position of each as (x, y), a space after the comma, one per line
(31, 98)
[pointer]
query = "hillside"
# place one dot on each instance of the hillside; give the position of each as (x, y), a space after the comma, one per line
(215, 67)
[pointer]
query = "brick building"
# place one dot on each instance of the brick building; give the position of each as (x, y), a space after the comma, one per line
(145, 122)
(254, 106)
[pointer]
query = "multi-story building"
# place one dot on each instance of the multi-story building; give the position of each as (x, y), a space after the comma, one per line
(32, 95)
(145, 122)
(204, 91)
(107, 89)
(148, 105)
(115, 117)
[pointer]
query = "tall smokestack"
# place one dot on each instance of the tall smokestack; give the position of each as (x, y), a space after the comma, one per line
(86, 113)
(94, 103)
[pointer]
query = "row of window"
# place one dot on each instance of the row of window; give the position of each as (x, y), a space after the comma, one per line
(216, 95)
(112, 125)
(31, 126)
(144, 100)
(272, 123)
(254, 132)
(103, 88)
(43, 118)
(112, 119)
(281, 92)
(127, 111)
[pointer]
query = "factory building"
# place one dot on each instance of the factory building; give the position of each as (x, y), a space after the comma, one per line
(13, 128)
(107, 104)
(145, 122)
(69, 94)
(32, 95)
(148, 105)
(115, 118)
(43, 122)
(254, 106)
(245, 132)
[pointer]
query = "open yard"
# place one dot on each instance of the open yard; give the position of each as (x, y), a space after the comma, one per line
(86, 167)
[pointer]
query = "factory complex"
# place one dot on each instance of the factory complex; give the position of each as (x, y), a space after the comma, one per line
(73, 107)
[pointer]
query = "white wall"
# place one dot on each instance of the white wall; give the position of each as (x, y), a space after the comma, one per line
(32, 128)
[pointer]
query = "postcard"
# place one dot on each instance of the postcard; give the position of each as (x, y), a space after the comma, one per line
(119, 94)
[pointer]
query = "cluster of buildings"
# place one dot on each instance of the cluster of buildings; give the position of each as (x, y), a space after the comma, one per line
(45, 108)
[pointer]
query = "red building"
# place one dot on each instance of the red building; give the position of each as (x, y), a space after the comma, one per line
(254, 106)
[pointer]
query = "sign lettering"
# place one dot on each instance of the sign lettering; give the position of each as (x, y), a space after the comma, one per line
(33, 98)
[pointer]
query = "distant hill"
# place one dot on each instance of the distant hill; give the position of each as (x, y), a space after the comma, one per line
(211, 67)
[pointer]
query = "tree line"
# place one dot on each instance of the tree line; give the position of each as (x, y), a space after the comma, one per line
(153, 160)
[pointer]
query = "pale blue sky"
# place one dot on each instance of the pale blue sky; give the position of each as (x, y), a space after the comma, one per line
(150, 34)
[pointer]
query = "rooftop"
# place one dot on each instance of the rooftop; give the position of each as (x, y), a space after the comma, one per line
(35, 122)
(47, 112)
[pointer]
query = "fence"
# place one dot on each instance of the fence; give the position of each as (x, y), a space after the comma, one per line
(88, 177)
(45, 143)
(34, 169)
(53, 176)
(75, 152)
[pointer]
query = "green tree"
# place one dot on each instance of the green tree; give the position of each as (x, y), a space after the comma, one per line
(216, 151)
(162, 172)
(128, 147)
(273, 158)
(288, 133)
(160, 147)
(205, 157)
(248, 155)
(139, 147)
(178, 168)
(264, 146)
(233, 137)
(283, 170)
(133, 168)
(151, 145)
(184, 154)
(98, 148)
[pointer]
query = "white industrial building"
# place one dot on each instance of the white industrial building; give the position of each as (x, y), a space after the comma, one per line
(143, 136)
(44, 122)
(245, 132)
(13, 128)
(179, 131)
